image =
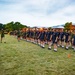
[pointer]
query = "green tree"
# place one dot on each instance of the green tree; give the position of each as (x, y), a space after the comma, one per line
(68, 26)
(49, 28)
(1, 26)
(11, 26)
(19, 26)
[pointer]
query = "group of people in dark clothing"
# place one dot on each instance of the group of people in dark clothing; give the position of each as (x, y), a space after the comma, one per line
(64, 39)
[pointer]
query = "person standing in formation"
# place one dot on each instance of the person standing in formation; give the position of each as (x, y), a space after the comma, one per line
(49, 38)
(74, 41)
(54, 40)
(67, 39)
(18, 35)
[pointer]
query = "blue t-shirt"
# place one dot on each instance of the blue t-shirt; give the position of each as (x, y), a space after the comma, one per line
(62, 35)
(67, 35)
(54, 36)
(49, 34)
(74, 38)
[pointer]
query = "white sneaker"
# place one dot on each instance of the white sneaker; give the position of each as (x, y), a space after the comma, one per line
(55, 50)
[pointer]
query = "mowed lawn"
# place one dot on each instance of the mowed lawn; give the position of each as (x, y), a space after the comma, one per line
(24, 58)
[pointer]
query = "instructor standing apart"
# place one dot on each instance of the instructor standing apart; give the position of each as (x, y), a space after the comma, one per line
(2, 35)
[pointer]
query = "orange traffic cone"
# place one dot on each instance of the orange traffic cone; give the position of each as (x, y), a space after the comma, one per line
(69, 55)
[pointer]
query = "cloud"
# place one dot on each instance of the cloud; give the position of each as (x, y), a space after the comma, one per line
(37, 12)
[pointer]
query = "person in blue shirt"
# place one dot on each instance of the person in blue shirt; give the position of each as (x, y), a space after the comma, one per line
(74, 40)
(72, 35)
(24, 34)
(67, 38)
(28, 34)
(49, 38)
(54, 39)
(31, 35)
(18, 35)
(35, 35)
(62, 38)
(38, 37)
(42, 37)
(58, 40)
(52, 31)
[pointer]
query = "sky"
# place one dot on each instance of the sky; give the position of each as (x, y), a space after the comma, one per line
(40, 13)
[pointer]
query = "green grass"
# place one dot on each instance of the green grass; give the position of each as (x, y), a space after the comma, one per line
(24, 58)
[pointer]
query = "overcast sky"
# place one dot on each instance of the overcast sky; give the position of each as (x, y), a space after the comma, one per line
(44, 13)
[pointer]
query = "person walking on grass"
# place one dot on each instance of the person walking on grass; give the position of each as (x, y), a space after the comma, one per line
(54, 39)
(2, 35)
(67, 38)
(72, 35)
(74, 40)
(42, 38)
(18, 35)
(62, 38)
(49, 38)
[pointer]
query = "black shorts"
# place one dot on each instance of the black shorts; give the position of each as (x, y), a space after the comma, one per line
(48, 40)
(18, 36)
(54, 42)
(58, 39)
(74, 43)
(62, 40)
(28, 36)
(66, 40)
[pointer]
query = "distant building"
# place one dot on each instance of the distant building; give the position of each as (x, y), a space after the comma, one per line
(59, 27)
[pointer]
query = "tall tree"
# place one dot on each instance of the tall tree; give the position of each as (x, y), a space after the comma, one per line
(19, 26)
(68, 26)
(1, 26)
(9, 26)
(14, 26)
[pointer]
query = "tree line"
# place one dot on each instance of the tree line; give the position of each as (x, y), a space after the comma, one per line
(11, 26)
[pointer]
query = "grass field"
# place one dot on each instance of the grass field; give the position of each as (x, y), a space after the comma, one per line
(24, 58)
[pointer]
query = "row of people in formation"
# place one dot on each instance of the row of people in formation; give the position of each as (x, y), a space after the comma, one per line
(51, 37)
